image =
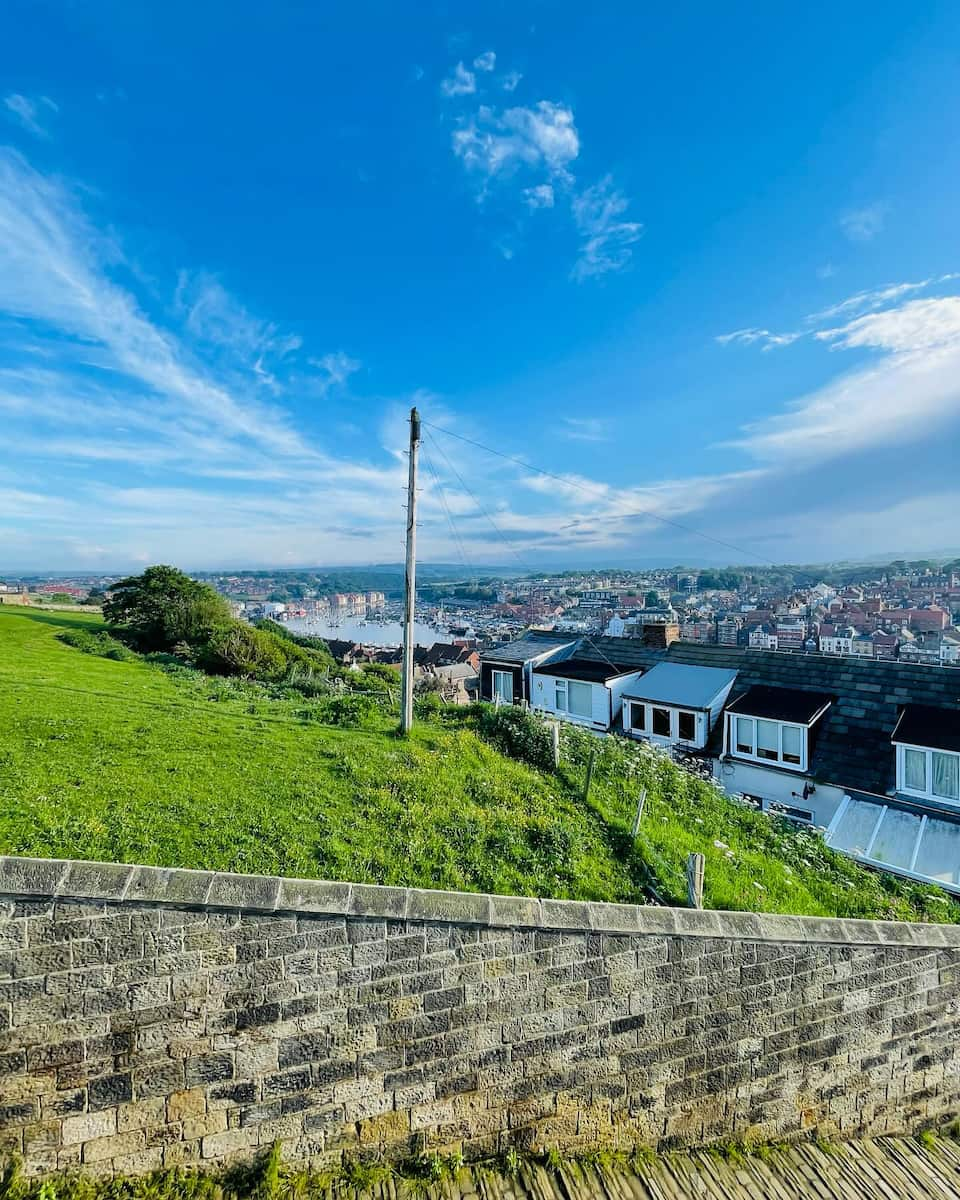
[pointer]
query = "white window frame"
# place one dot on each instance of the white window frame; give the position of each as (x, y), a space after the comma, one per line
(928, 793)
(779, 761)
(495, 673)
(673, 737)
(562, 687)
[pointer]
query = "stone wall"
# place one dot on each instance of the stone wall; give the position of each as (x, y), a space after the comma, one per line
(151, 1017)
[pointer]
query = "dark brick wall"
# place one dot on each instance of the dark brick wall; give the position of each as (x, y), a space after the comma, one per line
(139, 1033)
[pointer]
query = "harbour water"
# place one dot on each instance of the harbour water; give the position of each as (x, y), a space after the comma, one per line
(370, 633)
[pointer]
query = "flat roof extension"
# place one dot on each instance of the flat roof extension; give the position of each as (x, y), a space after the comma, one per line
(781, 704)
(681, 686)
(586, 669)
(933, 728)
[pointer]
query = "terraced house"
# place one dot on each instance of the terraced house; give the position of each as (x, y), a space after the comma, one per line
(867, 750)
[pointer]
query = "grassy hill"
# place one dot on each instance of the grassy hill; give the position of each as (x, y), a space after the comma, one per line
(126, 761)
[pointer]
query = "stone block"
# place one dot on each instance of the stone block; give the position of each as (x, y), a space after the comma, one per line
(89, 1127)
(314, 896)
(96, 879)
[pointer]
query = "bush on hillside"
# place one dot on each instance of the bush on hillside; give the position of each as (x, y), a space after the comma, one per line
(101, 644)
(237, 649)
(515, 732)
(164, 606)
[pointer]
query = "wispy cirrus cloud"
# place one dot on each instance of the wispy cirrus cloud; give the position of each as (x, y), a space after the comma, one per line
(485, 61)
(765, 337)
(863, 224)
(607, 238)
(911, 389)
(585, 429)
(30, 113)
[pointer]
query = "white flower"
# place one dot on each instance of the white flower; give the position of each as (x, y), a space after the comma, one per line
(759, 886)
(721, 845)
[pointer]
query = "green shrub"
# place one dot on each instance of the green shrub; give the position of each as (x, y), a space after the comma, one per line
(517, 733)
(239, 649)
(101, 644)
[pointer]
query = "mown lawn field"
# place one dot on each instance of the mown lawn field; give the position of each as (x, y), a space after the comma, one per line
(124, 761)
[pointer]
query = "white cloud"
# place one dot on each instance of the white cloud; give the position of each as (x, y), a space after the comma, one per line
(747, 337)
(338, 366)
(914, 326)
(912, 389)
(863, 224)
(486, 61)
(510, 81)
(540, 196)
(878, 297)
(607, 239)
(461, 83)
(586, 429)
(28, 112)
(543, 137)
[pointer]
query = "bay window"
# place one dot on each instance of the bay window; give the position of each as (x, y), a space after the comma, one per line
(768, 741)
(658, 721)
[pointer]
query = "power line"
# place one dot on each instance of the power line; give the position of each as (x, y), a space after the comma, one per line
(446, 508)
(583, 487)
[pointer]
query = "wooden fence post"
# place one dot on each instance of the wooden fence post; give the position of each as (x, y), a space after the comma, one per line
(695, 868)
(636, 820)
(586, 786)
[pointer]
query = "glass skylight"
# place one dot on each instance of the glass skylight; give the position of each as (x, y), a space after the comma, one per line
(914, 844)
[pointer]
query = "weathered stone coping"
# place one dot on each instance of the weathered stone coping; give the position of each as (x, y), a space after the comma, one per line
(119, 883)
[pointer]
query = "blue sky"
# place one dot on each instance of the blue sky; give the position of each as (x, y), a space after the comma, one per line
(698, 263)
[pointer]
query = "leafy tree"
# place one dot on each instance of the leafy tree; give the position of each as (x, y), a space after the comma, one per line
(651, 600)
(164, 606)
(96, 596)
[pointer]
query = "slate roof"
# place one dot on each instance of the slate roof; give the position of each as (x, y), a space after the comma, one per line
(780, 704)
(531, 645)
(852, 747)
(935, 728)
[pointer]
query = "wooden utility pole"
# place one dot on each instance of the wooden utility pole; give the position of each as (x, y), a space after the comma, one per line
(410, 582)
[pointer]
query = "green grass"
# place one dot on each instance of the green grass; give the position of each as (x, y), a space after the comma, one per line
(126, 761)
